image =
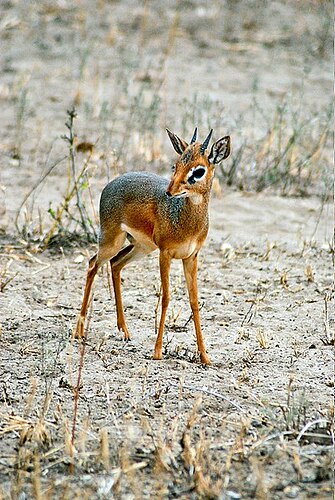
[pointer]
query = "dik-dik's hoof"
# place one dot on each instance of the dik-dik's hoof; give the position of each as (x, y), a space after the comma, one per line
(126, 334)
(157, 355)
(79, 332)
(205, 359)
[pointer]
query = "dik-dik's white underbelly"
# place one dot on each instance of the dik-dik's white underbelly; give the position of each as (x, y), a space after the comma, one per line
(140, 238)
(183, 250)
(177, 250)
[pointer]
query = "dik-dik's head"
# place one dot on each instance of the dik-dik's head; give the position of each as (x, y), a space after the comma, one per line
(193, 172)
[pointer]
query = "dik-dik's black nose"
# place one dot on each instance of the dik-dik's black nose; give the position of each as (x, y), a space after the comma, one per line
(168, 193)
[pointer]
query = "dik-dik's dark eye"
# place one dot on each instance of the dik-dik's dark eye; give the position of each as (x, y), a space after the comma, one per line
(173, 168)
(196, 174)
(199, 173)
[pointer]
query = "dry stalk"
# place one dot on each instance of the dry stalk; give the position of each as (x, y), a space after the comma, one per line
(262, 338)
(203, 483)
(5, 277)
(254, 306)
(104, 449)
(82, 441)
(31, 395)
(189, 452)
(36, 433)
(64, 207)
(78, 386)
(237, 448)
(129, 470)
(309, 273)
(70, 140)
(297, 464)
(163, 453)
(162, 457)
(261, 492)
(69, 447)
(329, 333)
(36, 479)
(33, 189)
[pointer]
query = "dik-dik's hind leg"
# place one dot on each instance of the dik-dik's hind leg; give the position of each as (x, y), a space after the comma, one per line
(190, 271)
(125, 256)
(92, 271)
(107, 249)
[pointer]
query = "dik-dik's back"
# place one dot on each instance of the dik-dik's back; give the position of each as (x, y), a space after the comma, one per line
(151, 212)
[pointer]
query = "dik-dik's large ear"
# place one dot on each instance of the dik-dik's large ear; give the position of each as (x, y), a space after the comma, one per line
(178, 144)
(220, 150)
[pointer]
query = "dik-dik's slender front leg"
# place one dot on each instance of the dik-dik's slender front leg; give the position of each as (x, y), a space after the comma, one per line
(191, 275)
(164, 266)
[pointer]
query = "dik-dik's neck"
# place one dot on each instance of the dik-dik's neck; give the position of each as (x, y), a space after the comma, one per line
(190, 211)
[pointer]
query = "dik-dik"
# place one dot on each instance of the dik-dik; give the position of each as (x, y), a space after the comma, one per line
(153, 213)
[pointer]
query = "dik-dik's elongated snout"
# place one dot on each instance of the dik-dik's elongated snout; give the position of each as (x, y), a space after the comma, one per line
(176, 189)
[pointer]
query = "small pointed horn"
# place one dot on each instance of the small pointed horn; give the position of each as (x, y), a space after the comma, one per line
(206, 142)
(194, 138)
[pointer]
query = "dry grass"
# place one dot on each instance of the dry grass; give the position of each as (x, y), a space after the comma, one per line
(176, 461)
(170, 437)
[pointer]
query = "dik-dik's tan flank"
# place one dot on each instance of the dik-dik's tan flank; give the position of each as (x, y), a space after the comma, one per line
(152, 213)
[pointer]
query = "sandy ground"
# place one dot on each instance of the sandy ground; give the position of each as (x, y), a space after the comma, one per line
(261, 428)
(253, 285)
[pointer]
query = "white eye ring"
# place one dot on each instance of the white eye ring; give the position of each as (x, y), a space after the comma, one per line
(192, 177)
